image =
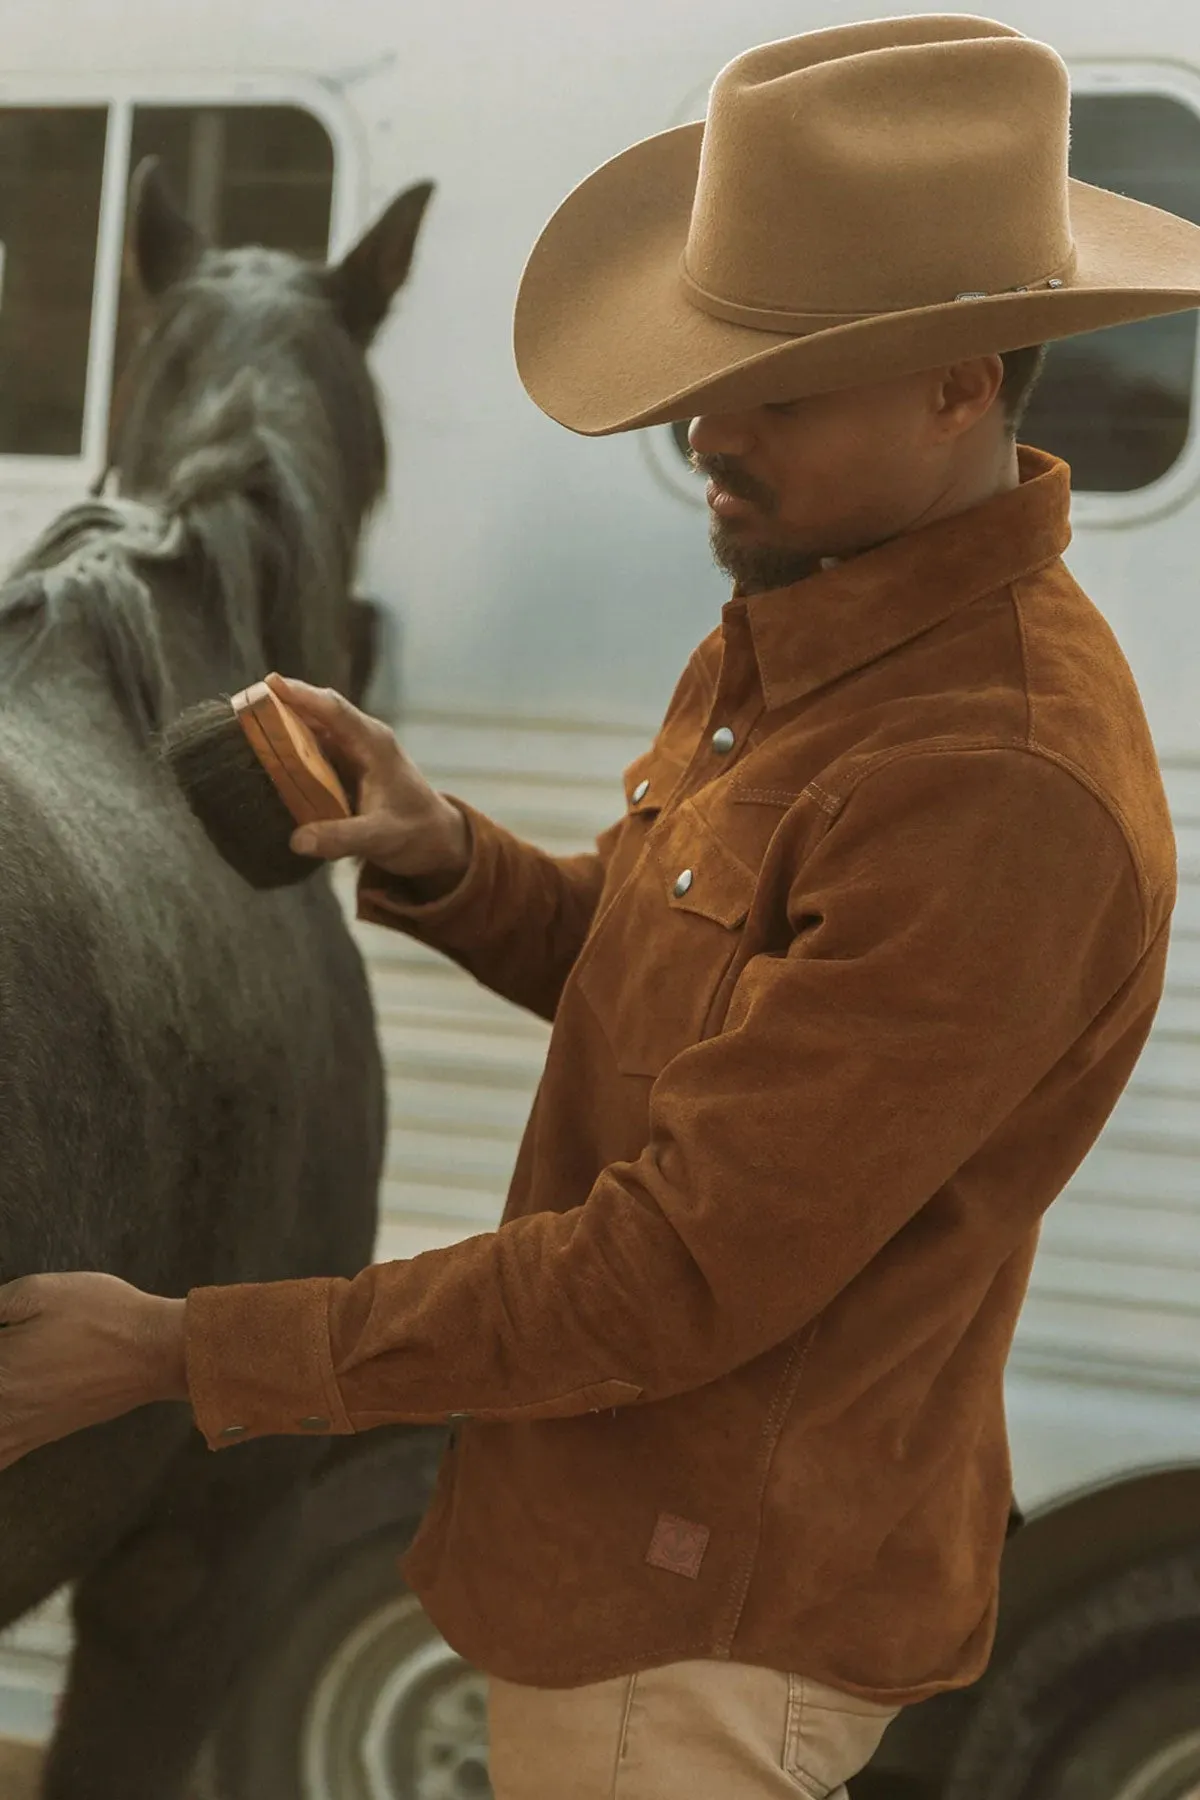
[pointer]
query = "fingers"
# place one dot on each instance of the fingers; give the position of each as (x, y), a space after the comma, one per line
(354, 734)
(367, 837)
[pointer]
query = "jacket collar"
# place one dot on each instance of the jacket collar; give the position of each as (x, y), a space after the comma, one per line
(843, 617)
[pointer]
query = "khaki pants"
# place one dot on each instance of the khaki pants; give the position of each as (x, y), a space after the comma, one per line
(689, 1731)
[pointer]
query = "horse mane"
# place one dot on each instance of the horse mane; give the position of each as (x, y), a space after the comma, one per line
(85, 567)
(251, 448)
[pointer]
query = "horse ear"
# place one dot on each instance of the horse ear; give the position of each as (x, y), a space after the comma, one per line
(365, 282)
(164, 243)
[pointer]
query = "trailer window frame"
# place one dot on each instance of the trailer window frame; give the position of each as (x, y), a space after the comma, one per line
(122, 100)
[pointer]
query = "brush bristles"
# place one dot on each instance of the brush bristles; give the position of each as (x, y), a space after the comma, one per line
(232, 796)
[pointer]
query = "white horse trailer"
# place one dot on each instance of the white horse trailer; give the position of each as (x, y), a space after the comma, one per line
(539, 593)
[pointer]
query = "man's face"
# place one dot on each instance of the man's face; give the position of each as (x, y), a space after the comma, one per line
(832, 475)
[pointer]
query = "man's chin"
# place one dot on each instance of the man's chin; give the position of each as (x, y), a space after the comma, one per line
(754, 565)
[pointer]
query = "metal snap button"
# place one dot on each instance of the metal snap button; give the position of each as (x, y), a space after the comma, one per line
(314, 1424)
(640, 792)
(682, 884)
(723, 740)
(234, 1431)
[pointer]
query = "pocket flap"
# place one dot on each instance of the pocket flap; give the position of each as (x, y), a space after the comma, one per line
(700, 873)
(649, 780)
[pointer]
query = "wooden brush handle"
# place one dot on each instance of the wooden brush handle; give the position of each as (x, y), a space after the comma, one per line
(304, 777)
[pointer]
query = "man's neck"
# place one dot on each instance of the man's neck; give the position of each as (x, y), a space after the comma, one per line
(992, 472)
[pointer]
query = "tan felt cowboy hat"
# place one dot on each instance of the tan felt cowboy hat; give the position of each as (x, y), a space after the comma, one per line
(860, 203)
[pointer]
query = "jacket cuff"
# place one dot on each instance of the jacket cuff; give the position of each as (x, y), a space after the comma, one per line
(259, 1362)
(389, 900)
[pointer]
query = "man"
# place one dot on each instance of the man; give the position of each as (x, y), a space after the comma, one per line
(839, 1004)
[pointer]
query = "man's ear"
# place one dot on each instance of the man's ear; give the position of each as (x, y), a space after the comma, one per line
(363, 285)
(966, 391)
(164, 245)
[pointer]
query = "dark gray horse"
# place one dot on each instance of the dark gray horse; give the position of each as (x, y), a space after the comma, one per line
(190, 1090)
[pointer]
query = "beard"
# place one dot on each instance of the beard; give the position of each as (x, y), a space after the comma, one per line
(755, 567)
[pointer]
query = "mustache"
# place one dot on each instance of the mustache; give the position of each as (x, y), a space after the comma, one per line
(728, 473)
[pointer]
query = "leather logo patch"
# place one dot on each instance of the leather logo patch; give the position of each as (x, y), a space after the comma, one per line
(677, 1546)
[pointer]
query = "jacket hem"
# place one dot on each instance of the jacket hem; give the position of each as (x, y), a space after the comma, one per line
(565, 1672)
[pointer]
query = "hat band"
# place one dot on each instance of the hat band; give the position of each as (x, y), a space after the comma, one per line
(798, 324)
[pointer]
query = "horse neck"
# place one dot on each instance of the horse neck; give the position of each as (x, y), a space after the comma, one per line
(241, 597)
(264, 577)
(201, 656)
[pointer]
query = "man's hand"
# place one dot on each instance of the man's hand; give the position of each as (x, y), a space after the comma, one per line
(76, 1350)
(401, 824)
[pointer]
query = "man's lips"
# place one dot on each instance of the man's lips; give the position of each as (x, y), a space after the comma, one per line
(725, 504)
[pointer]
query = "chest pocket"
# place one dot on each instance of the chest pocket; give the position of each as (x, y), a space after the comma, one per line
(654, 965)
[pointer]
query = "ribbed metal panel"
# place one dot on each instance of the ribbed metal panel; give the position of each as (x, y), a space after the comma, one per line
(33, 1658)
(1116, 1286)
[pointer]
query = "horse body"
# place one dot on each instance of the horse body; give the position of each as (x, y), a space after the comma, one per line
(191, 1090)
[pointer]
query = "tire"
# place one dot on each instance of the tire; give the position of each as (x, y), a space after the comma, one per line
(360, 1699)
(1100, 1702)
(1147, 1747)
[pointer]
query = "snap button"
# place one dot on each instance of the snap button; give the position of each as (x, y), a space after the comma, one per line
(234, 1431)
(723, 740)
(314, 1424)
(682, 883)
(640, 792)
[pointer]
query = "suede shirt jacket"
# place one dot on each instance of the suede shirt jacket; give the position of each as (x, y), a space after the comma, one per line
(839, 1005)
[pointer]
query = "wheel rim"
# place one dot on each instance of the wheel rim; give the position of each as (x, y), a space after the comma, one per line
(1173, 1773)
(396, 1715)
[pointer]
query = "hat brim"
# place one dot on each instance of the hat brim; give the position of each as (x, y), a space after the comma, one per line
(607, 341)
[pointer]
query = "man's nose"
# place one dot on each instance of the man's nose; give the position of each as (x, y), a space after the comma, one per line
(722, 434)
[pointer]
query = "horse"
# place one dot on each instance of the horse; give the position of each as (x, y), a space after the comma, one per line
(191, 1088)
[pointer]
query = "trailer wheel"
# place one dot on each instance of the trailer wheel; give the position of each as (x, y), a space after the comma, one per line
(360, 1699)
(1101, 1702)
(1147, 1747)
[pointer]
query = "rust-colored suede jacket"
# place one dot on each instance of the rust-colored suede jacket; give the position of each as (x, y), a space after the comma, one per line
(839, 1005)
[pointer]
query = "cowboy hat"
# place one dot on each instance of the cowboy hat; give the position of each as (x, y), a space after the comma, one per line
(860, 203)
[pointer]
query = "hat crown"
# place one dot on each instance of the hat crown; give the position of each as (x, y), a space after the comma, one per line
(880, 167)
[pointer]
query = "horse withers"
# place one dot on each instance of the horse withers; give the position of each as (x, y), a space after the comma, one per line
(191, 1089)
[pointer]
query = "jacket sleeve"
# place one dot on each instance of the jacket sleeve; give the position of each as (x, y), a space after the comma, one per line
(517, 919)
(965, 918)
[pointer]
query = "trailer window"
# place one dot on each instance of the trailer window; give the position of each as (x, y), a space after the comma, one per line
(51, 166)
(244, 175)
(1117, 404)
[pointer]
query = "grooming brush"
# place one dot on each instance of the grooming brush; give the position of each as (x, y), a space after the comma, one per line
(252, 771)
